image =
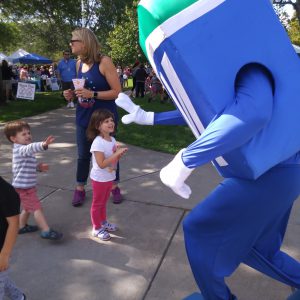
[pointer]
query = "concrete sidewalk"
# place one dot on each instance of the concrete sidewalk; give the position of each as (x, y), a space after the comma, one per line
(145, 259)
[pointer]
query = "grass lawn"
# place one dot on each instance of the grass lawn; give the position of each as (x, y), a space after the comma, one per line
(169, 139)
(25, 108)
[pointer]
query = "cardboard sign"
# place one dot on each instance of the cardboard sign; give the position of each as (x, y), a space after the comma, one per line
(26, 91)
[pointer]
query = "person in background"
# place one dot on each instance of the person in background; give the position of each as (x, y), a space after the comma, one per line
(156, 89)
(120, 74)
(44, 75)
(102, 86)
(140, 77)
(7, 75)
(23, 73)
(66, 71)
(105, 155)
(126, 74)
(133, 74)
(9, 225)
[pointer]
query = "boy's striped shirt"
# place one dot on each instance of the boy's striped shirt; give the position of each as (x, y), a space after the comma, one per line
(24, 165)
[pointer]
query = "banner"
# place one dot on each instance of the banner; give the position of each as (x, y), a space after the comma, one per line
(26, 91)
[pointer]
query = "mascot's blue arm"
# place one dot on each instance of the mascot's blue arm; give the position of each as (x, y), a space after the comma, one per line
(239, 122)
(173, 117)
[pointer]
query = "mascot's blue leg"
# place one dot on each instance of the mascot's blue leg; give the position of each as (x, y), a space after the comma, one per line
(197, 296)
(242, 220)
(194, 296)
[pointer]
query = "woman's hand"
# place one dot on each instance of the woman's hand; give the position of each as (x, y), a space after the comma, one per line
(84, 93)
(68, 94)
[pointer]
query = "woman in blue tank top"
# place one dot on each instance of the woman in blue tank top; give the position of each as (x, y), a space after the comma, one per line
(101, 88)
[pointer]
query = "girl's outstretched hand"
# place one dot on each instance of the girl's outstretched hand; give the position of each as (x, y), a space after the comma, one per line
(120, 151)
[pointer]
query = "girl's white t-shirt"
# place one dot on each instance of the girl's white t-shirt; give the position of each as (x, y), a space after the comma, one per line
(108, 148)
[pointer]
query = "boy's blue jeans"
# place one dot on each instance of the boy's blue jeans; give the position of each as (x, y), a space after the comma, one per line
(84, 156)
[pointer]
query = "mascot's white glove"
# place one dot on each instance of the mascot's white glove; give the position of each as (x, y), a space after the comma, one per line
(174, 174)
(136, 114)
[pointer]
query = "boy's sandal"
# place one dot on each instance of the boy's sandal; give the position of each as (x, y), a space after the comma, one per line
(51, 235)
(28, 228)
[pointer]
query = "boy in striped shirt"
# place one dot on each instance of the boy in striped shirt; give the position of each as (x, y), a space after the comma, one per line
(24, 167)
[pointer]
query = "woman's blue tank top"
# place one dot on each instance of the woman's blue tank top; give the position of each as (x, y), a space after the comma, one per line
(94, 81)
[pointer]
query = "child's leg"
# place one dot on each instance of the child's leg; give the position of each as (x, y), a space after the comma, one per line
(30, 203)
(41, 220)
(24, 216)
(101, 192)
(8, 288)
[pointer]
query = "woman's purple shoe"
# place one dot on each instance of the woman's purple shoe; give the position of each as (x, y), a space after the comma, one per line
(116, 195)
(78, 198)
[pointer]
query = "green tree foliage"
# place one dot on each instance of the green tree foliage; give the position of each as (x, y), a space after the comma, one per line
(46, 25)
(9, 33)
(43, 24)
(124, 40)
(104, 15)
(294, 31)
(294, 3)
(291, 25)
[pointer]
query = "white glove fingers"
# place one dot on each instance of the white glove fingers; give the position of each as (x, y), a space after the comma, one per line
(126, 103)
(127, 119)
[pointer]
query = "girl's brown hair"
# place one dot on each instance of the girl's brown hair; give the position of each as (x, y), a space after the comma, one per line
(12, 128)
(91, 45)
(97, 118)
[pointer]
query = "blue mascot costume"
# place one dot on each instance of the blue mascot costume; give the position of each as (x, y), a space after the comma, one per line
(242, 103)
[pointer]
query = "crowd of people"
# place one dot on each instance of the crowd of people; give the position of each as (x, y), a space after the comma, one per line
(145, 82)
(11, 74)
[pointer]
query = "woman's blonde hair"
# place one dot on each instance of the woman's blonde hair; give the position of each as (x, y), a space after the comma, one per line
(91, 45)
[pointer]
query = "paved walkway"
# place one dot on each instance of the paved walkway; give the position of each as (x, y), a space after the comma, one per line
(145, 259)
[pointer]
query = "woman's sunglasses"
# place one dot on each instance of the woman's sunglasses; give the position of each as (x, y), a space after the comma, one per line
(73, 41)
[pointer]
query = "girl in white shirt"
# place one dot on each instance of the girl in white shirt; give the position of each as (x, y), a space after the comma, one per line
(105, 155)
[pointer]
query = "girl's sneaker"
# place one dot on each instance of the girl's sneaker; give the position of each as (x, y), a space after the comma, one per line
(101, 233)
(109, 226)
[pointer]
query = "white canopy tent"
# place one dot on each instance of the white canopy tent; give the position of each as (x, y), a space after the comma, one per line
(2, 56)
(17, 54)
